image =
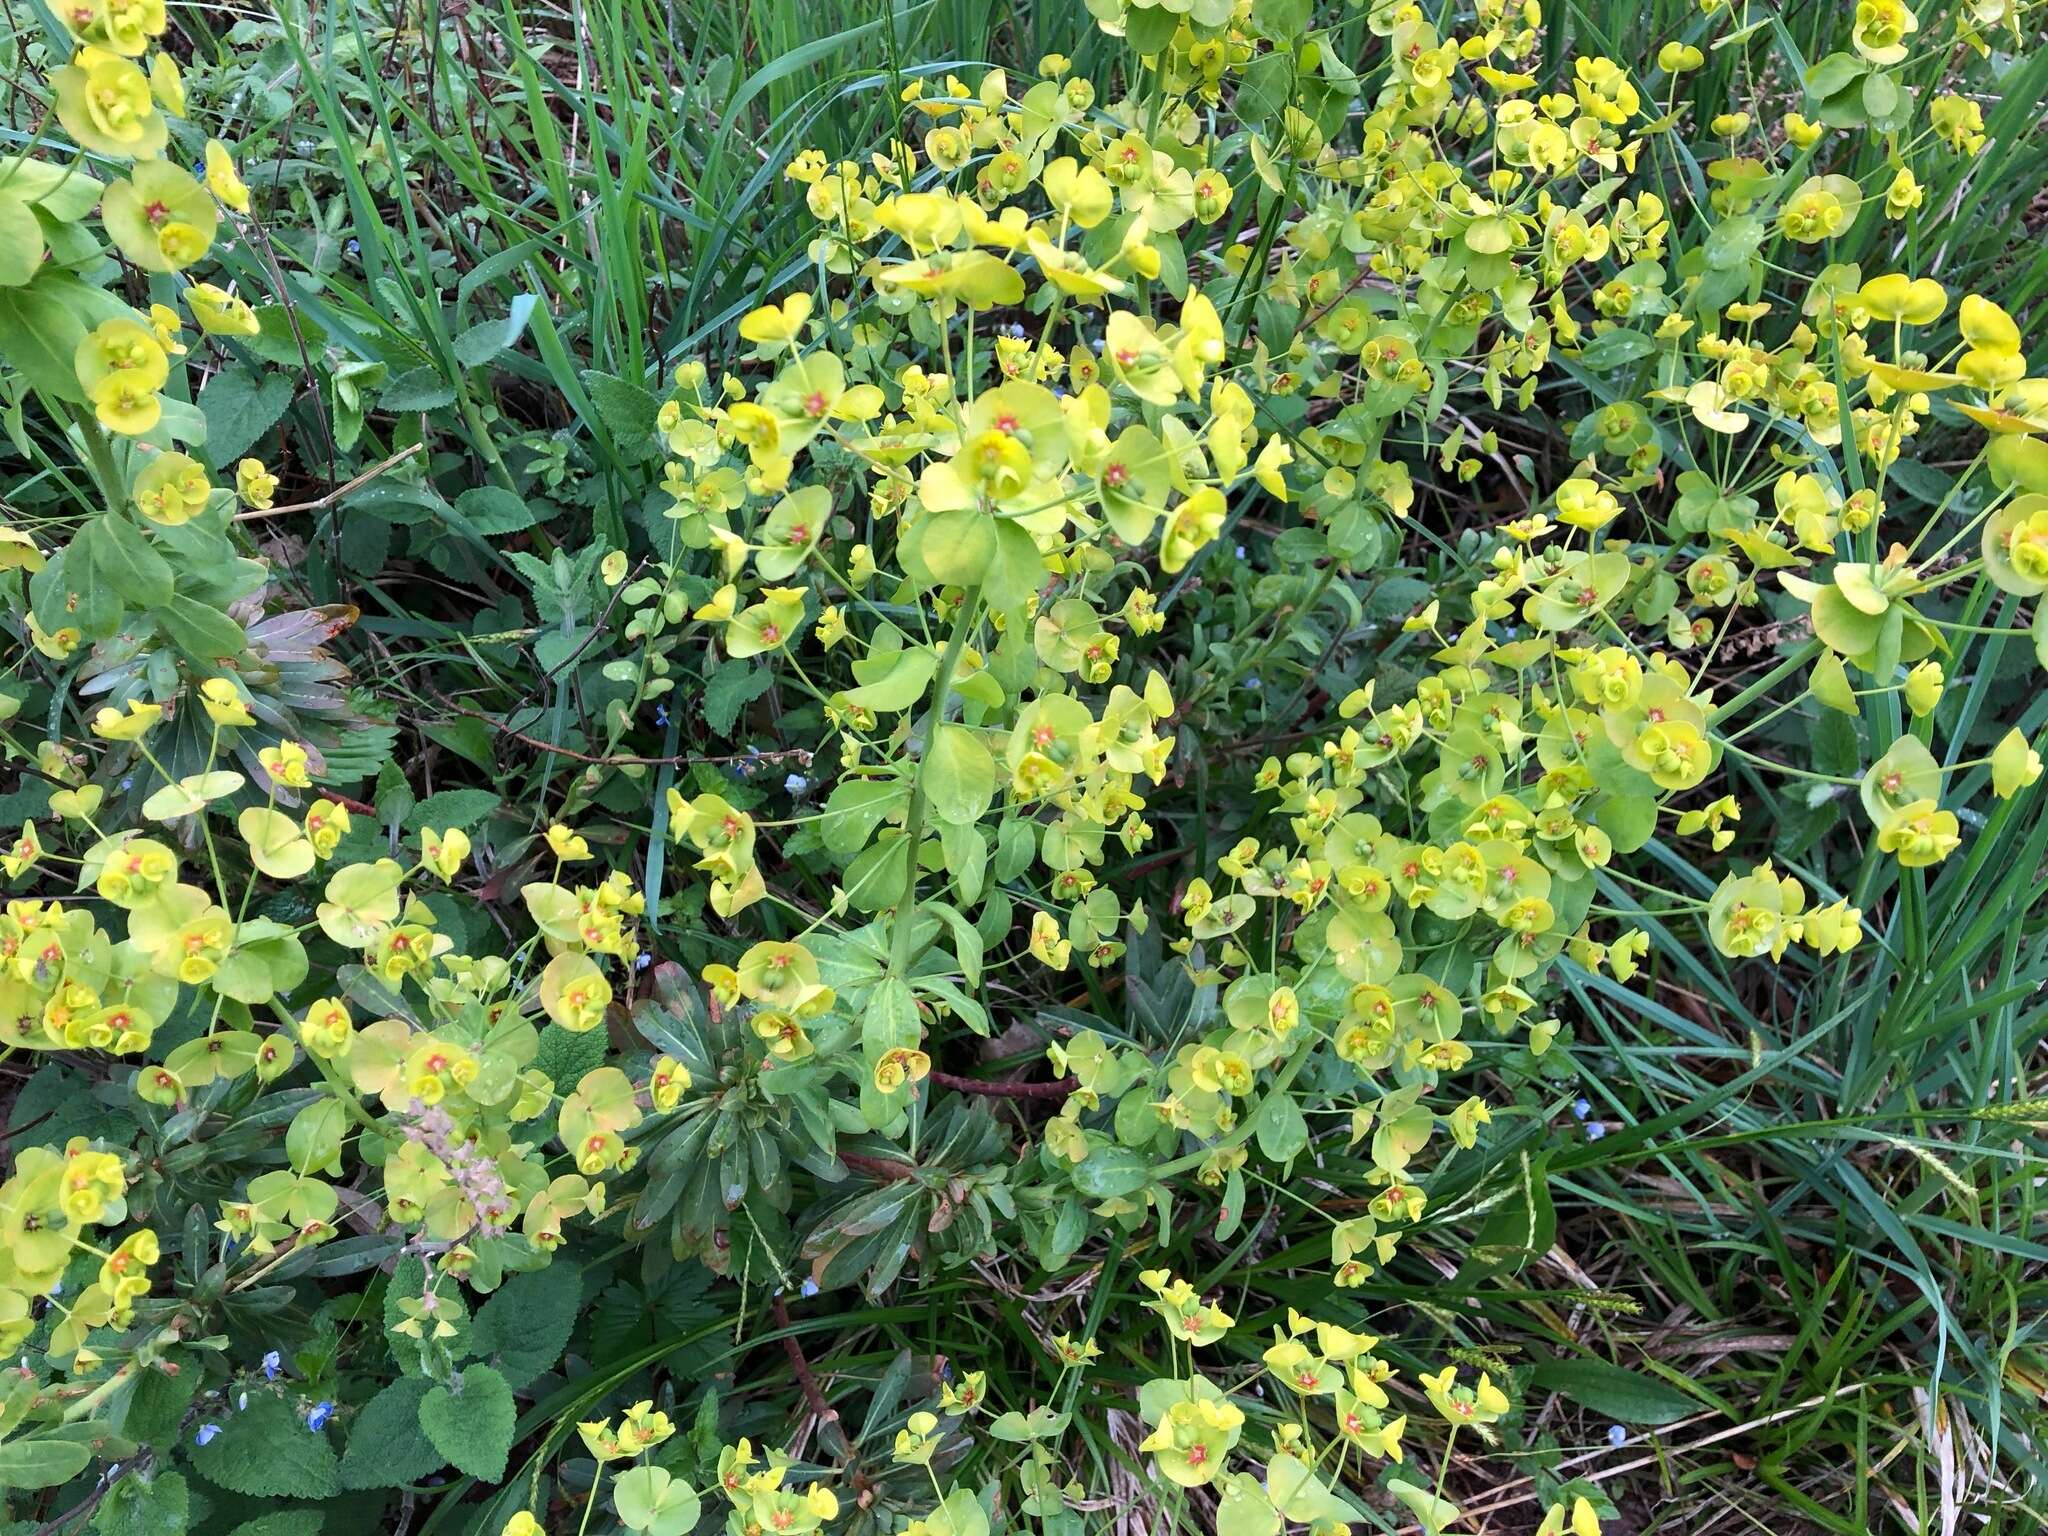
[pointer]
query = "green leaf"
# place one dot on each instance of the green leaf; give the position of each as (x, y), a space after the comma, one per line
(124, 559)
(416, 389)
(472, 1423)
(567, 1054)
(1615, 349)
(41, 1463)
(1263, 92)
(960, 1514)
(184, 421)
(966, 854)
(21, 242)
(1244, 1509)
(492, 509)
(1279, 1127)
(408, 1280)
(890, 1020)
(285, 1522)
(1434, 1513)
(854, 809)
(523, 1329)
(480, 343)
(240, 406)
(1614, 1392)
(312, 1143)
(1730, 245)
(1282, 21)
(267, 1451)
(1149, 28)
(956, 546)
(649, 1499)
(57, 1104)
(39, 334)
(205, 634)
(1110, 1171)
(626, 409)
(960, 775)
(387, 1448)
(156, 1410)
(395, 502)
(466, 738)
(1882, 100)
(267, 959)
(896, 687)
(457, 808)
(1628, 819)
(1835, 74)
(1014, 575)
(732, 685)
(64, 192)
(139, 1506)
(287, 337)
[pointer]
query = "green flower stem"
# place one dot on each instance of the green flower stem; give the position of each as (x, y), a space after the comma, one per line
(342, 1091)
(1243, 1131)
(1767, 682)
(100, 460)
(1787, 769)
(596, 1483)
(913, 820)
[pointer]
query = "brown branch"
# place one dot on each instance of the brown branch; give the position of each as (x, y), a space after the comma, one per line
(825, 1412)
(1005, 1090)
(86, 1506)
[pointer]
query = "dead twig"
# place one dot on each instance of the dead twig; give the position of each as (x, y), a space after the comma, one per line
(318, 503)
(1004, 1090)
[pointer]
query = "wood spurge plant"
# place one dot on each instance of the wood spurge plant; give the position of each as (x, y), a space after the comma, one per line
(1280, 775)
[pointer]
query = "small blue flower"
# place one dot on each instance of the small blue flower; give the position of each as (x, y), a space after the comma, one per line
(809, 1287)
(1580, 1109)
(661, 714)
(322, 1412)
(642, 961)
(1616, 1436)
(57, 1288)
(270, 1366)
(796, 783)
(206, 1433)
(242, 1403)
(354, 247)
(1595, 1130)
